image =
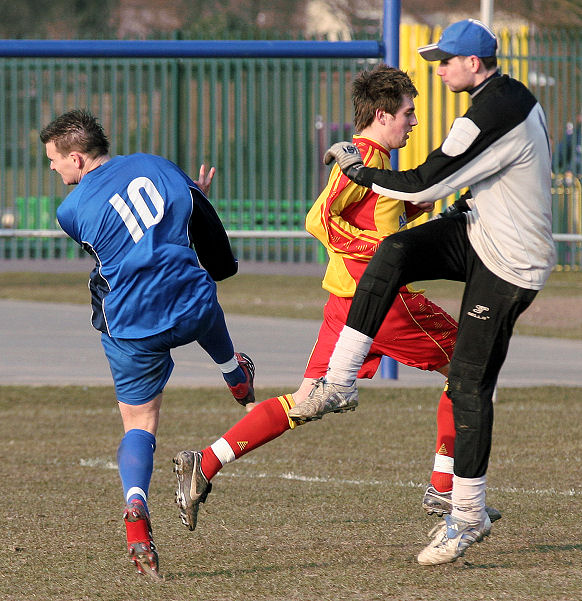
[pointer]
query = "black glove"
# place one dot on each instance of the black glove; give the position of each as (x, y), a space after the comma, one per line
(347, 156)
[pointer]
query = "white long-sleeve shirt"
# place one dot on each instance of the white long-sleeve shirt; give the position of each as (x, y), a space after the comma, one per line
(500, 148)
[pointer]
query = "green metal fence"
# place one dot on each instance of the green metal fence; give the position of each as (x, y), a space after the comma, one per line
(553, 72)
(264, 123)
(260, 122)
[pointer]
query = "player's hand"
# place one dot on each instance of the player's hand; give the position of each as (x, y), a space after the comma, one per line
(205, 179)
(347, 155)
(425, 207)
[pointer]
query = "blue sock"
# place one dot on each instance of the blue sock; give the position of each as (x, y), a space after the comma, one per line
(135, 461)
(232, 378)
(217, 343)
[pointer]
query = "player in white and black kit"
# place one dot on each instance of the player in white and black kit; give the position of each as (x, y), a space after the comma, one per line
(139, 216)
(499, 242)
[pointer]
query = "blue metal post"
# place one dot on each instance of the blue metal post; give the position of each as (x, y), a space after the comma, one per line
(391, 34)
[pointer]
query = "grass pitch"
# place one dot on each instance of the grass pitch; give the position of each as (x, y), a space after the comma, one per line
(330, 511)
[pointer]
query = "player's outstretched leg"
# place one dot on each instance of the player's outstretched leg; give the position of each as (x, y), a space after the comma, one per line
(140, 543)
(195, 469)
(325, 397)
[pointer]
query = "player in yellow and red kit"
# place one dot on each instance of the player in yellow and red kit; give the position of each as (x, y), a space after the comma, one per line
(351, 221)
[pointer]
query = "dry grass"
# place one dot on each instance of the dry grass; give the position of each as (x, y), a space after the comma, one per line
(330, 511)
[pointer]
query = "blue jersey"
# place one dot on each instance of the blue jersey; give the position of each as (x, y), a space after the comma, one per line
(132, 215)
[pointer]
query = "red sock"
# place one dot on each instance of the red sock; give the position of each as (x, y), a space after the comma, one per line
(266, 421)
(445, 443)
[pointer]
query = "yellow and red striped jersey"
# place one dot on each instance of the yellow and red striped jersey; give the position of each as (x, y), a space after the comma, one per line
(351, 221)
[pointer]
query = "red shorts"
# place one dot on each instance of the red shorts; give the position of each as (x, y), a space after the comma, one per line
(416, 332)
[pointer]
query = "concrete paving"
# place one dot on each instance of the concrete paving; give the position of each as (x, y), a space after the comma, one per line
(55, 344)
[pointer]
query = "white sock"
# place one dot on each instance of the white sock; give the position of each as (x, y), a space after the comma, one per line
(350, 351)
(223, 451)
(469, 499)
(229, 366)
(136, 490)
(444, 464)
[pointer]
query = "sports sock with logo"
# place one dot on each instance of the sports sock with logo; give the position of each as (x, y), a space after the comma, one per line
(135, 461)
(442, 475)
(266, 421)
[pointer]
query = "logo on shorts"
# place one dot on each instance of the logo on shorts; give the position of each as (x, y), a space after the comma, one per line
(478, 311)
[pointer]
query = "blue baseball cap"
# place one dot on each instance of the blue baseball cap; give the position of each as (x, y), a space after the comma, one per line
(465, 38)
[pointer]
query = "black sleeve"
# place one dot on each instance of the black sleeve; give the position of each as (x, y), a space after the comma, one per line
(209, 238)
(461, 160)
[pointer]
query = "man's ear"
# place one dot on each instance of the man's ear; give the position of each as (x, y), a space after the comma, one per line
(382, 116)
(475, 63)
(78, 159)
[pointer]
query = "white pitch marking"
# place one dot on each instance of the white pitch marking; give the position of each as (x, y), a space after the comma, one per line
(100, 462)
(399, 483)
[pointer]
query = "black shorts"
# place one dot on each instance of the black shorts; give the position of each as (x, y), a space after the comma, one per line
(441, 249)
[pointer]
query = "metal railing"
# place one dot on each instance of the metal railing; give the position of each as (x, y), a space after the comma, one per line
(264, 122)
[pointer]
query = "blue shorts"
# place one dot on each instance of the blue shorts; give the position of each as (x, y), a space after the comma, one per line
(142, 367)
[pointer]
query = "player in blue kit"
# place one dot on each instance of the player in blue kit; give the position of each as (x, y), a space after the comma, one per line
(139, 216)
